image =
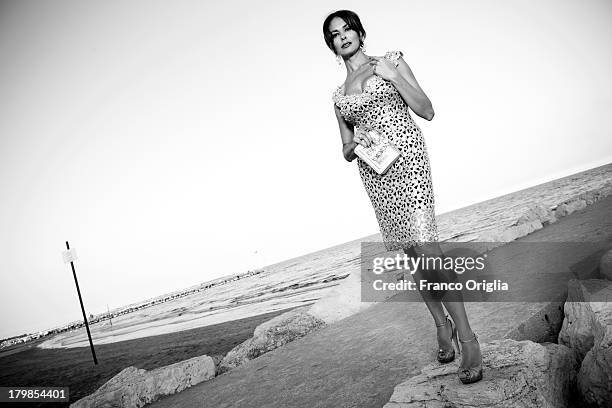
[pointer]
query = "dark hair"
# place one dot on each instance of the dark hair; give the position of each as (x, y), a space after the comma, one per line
(350, 18)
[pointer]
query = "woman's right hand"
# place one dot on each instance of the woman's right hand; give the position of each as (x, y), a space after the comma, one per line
(362, 138)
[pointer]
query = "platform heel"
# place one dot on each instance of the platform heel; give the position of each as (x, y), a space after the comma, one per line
(446, 356)
(469, 375)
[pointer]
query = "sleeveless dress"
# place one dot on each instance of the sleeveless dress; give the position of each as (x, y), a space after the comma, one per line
(402, 198)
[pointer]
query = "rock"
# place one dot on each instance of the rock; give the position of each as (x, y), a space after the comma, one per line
(561, 211)
(525, 229)
(595, 375)
(577, 329)
(605, 265)
(569, 207)
(542, 326)
(510, 234)
(577, 204)
(588, 330)
(536, 213)
(589, 197)
(605, 191)
(134, 387)
(515, 374)
(272, 334)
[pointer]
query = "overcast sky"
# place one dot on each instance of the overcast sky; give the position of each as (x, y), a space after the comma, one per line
(173, 142)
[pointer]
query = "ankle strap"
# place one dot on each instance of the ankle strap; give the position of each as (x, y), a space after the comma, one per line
(443, 324)
(475, 337)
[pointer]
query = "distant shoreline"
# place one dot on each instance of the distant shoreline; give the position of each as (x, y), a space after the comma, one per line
(24, 338)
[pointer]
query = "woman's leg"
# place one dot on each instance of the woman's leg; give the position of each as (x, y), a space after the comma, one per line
(435, 308)
(471, 355)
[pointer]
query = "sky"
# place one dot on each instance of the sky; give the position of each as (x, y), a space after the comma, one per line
(172, 143)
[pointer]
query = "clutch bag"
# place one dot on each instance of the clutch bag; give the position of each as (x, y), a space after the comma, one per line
(381, 155)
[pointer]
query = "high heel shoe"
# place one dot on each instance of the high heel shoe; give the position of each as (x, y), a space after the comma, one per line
(469, 375)
(446, 356)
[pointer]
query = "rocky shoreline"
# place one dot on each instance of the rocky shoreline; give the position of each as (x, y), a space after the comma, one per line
(343, 301)
(538, 216)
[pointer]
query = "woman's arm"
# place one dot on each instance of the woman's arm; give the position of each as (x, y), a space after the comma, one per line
(349, 141)
(347, 135)
(406, 84)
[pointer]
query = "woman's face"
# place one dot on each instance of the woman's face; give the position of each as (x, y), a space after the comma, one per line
(346, 40)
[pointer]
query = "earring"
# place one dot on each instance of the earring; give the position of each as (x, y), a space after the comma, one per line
(339, 60)
(362, 46)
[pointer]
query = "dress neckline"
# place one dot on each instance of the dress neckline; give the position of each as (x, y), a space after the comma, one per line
(392, 55)
(340, 88)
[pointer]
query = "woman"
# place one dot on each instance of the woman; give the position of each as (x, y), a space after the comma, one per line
(377, 94)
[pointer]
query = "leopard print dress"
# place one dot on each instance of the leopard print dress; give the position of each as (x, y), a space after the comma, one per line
(403, 197)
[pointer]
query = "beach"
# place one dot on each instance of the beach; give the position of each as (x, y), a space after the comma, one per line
(356, 361)
(359, 360)
(304, 280)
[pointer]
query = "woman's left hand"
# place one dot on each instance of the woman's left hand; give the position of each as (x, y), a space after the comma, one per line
(384, 68)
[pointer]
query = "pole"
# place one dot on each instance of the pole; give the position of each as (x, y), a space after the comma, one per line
(109, 315)
(76, 282)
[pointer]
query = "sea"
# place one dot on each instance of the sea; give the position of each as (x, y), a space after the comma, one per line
(303, 280)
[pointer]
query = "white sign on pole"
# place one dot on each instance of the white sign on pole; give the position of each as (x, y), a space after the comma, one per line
(69, 255)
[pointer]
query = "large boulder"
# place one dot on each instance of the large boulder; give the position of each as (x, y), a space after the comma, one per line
(537, 213)
(134, 387)
(588, 328)
(595, 375)
(515, 374)
(577, 329)
(272, 334)
(569, 207)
